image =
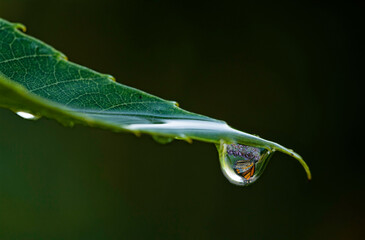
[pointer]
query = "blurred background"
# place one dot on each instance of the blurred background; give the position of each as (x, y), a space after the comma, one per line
(286, 71)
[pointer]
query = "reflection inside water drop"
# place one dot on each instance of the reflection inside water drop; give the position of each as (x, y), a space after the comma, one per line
(241, 164)
(26, 115)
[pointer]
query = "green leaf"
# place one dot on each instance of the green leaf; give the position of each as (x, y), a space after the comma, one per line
(37, 79)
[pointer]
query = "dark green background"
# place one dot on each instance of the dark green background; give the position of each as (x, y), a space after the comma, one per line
(285, 71)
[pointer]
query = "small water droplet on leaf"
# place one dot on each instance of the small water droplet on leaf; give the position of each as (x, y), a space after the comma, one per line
(241, 164)
(162, 139)
(27, 115)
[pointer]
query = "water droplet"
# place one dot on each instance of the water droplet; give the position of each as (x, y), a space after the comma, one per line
(241, 164)
(27, 115)
(162, 139)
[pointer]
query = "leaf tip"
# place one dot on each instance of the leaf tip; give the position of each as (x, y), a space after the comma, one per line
(303, 163)
(294, 155)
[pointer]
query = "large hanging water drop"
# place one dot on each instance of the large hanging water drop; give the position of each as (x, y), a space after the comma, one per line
(241, 164)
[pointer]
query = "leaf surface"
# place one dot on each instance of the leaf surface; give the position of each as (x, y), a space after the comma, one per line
(36, 78)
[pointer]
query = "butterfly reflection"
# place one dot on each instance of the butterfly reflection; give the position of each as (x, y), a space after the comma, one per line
(244, 159)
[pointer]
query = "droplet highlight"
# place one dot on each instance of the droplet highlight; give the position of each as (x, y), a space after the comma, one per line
(241, 164)
(27, 115)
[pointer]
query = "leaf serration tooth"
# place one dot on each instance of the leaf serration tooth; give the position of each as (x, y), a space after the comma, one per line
(61, 56)
(110, 77)
(20, 27)
(137, 133)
